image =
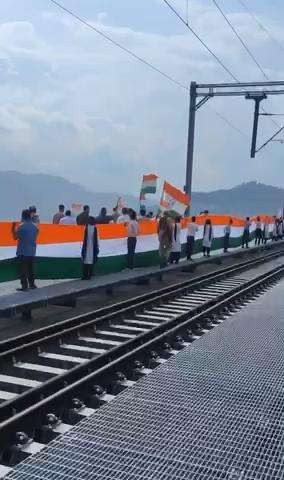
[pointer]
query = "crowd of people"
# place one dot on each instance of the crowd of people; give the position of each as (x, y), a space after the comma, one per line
(65, 217)
(168, 230)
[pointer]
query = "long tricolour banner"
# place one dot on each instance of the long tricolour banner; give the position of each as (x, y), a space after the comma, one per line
(59, 246)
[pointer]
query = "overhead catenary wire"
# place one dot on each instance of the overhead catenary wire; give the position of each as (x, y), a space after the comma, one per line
(229, 123)
(247, 49)
(119, 45)
(170, 6)
(261, 26)
(187, 9)
(80, 19)
(218, 60)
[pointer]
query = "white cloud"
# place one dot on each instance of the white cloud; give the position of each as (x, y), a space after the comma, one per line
(102, 17)
(79, 107)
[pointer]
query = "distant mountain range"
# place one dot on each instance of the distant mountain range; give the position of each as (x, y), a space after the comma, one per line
(249, 198)
(18, 191)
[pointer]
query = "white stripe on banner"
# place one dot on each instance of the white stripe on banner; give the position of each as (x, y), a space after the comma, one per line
(113, 247)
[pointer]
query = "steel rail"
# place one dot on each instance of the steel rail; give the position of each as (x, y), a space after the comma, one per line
(33, 416)
(32, 339)
(22, 401)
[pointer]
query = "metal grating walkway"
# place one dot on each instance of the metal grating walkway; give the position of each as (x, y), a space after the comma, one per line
(214, 411)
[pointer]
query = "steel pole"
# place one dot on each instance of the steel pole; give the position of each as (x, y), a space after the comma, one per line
(190, 139)
(255, 125)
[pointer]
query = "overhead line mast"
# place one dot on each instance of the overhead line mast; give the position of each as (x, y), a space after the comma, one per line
(210, 90)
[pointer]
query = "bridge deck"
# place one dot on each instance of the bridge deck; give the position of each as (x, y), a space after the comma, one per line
(214, 411)
(15, 303)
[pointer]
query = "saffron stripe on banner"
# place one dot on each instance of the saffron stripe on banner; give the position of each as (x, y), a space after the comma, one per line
(62, 234)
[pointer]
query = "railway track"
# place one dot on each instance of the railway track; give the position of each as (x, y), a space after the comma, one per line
(53, 377)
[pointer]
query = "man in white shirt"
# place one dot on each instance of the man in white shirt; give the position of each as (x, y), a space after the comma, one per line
(124, 217)
(192, 229)
(132, 234)
(68, 219)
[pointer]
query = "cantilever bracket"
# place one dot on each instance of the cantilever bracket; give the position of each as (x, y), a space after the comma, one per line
(270, 139)
(202, 101)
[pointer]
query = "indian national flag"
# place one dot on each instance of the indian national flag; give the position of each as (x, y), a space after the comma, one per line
(174, 199)
(149, 185)
(120, 204)
(76, 208)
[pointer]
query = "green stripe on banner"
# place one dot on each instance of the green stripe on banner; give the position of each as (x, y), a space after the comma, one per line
(48, 268)
(148, 189)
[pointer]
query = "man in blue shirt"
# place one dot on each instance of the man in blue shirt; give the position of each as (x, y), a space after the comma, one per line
(26, 234)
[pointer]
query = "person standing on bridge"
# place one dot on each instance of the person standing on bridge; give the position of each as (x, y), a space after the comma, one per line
(192, 230)
(176, 242)
(67, 219)
(58, 215)
(280, 228)
(207, 237)
(26, 234)
(227, 234)
(165, 230)
(124, 217)
(246, 233)
(258, 231)
(132, 234)
(265, 233)
(275, 229)
(83, 217)
(34, 216)
(103, 217)
(90, 248)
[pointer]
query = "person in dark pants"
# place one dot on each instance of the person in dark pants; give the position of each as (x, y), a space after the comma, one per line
(26, 234)
(132, 233)
(227, 233)
(275, 229)
(176, 242)
(192, 229)
(265, 233)
(165, 232)
(208, 236)
(90, 248)
(280, 228)
(258, 231)
(245, 237)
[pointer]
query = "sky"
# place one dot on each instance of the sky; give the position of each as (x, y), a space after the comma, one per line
(72, 104)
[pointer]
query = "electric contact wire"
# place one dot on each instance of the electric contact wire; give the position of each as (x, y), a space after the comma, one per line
(218, 60)
(229, 123)
(117, 44)
(249, 52)
(261, 26)
(210, 51)
(140, 59)
(246, 49)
